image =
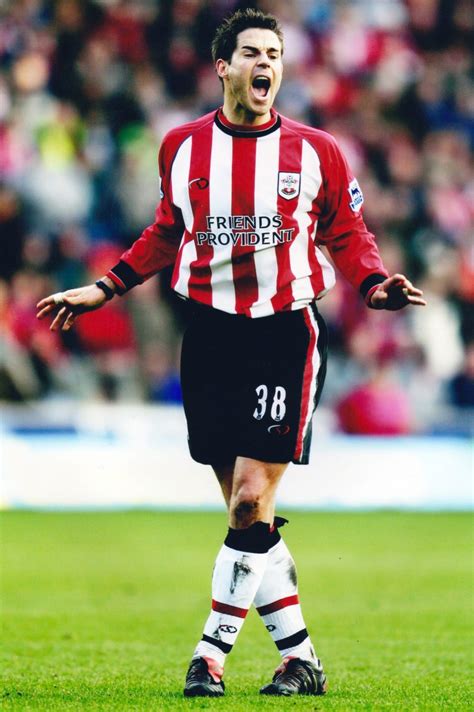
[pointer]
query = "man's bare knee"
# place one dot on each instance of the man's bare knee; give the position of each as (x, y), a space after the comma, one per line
(247, 503)
(253, 492)
(246, 511)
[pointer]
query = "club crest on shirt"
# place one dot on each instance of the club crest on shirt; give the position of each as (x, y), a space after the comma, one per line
(289, 185)
(357, 198)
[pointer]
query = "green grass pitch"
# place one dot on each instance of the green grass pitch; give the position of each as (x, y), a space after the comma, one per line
(101, 611)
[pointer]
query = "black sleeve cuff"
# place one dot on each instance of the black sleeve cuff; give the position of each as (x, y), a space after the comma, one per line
(124, 277)
(370, 282)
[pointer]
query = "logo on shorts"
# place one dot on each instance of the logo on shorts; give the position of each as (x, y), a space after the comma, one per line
(357, 198)
(279, 429)
(289, 185)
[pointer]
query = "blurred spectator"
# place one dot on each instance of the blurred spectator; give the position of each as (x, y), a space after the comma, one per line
(375, 408)
(378, 406)
(18, 380)
(31, 336)
(12, 233)
(461, 386)
(162, 375)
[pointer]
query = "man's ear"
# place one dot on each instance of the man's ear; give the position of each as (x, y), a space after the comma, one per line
(221, 68)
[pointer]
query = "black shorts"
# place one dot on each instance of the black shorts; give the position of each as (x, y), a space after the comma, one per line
(250, 386)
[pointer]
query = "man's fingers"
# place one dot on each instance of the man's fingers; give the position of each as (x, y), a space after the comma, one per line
(45, 310)
(64, 320)
(49, 304)
(414, 296)
(418, 301)
(59, 298)
(65, 307)
(407, 291)
(395, 280)
(396, 292)
(71, 318)
(59, 319)
(44, 303)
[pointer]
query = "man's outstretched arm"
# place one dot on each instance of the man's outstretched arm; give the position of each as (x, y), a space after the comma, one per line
(352, 247)
(154, 250)
(65, 307)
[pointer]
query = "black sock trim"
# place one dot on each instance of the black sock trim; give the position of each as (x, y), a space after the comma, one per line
(225, 647)
(254, 539)
(292, 640)
(275, 535)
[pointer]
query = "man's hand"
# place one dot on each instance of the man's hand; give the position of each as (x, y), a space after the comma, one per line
(395, 293)
(67, 306)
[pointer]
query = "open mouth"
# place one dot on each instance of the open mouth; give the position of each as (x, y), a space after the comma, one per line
(261, 86)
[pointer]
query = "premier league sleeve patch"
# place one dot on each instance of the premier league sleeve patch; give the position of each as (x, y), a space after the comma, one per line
(357, 198)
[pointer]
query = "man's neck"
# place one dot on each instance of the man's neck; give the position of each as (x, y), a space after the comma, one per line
(239, 116)
(247, 119)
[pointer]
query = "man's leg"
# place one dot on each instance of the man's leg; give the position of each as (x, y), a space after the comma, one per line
(278, 604)
(249, 489)
(225, 477)
(277, 600)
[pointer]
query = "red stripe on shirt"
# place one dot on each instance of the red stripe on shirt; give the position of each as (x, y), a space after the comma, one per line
(230, 610)
(243, 203)
(316, 277)
(278, 605)
(308, 377)
(289, 162)
(198, 186)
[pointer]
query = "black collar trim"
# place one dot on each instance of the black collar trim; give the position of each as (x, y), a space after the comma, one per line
(243, 133)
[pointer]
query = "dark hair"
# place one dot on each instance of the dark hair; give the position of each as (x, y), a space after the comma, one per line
(225, 39)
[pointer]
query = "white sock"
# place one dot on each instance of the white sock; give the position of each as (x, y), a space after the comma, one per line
(278, 604)
(237, 575)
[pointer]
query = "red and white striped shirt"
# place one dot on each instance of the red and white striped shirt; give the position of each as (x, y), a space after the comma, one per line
(244, 212)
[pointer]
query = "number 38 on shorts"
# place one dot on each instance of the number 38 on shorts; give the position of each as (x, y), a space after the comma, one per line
(277, 407)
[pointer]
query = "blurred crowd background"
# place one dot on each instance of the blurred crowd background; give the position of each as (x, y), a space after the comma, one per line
(88, 88)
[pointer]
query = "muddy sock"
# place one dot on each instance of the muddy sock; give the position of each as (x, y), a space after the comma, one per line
(238, 572)
(278, 604)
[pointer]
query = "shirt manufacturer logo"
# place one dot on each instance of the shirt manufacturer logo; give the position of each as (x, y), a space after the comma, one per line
(289, 185)
(201, 183)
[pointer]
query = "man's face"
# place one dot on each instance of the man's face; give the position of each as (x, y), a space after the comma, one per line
(252, 78)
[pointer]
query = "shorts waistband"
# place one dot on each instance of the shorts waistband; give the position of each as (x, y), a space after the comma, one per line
(195, 310)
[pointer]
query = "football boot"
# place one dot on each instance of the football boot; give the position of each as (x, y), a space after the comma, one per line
(297, 677)
(204, 679)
